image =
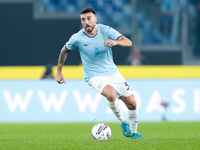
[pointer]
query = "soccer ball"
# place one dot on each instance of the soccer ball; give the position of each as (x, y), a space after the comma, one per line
(101, 131)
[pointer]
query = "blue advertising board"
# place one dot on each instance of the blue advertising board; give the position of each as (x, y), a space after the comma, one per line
(75, 101)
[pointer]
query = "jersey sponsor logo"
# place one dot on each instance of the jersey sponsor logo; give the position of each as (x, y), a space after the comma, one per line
(96, 50)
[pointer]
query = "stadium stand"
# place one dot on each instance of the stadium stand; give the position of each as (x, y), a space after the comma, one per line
(143, 21)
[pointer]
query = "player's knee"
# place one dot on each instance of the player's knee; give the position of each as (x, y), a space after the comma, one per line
(132, 106)
(109, 93)
(111, 97)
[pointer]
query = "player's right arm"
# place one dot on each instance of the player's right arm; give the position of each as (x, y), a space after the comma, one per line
(62, 57)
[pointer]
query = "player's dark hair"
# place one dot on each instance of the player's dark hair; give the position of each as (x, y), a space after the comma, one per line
(87, 10)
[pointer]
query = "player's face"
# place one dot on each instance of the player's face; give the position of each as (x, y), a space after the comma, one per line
(88, 21)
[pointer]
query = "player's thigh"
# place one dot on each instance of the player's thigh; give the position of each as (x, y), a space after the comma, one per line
(109, 93)
(125, 92)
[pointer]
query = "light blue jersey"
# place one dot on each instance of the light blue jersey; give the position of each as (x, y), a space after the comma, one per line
(97, 59)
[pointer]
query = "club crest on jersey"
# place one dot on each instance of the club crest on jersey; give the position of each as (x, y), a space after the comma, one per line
(102, 39)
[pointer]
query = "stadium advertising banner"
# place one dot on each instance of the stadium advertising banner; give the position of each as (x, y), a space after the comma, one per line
(75, 101)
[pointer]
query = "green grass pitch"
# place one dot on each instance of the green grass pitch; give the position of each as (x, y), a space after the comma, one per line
(75, 136)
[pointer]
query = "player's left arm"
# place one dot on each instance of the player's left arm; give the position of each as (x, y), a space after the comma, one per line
(122, 41)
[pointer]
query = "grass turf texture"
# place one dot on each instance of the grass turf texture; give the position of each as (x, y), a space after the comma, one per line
(56, 136)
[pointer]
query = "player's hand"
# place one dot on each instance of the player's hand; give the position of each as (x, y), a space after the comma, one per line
(110, 43)
(60, 78)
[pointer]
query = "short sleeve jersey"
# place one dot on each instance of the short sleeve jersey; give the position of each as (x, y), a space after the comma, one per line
(97, 59)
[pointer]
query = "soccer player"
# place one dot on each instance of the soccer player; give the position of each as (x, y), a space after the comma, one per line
(94, 43)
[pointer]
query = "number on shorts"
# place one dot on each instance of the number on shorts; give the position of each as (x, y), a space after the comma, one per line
(126, 84)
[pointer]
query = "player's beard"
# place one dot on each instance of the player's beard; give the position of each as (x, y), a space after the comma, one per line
(89, 30)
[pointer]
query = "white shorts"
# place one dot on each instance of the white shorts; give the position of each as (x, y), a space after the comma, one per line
(118, 83)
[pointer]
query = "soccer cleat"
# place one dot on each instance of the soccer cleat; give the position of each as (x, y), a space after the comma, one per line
(125, 129)
(136, 136)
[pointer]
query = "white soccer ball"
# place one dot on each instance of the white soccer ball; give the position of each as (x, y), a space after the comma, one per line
(101, 131)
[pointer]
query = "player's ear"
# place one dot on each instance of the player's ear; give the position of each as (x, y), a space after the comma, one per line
(95, 19)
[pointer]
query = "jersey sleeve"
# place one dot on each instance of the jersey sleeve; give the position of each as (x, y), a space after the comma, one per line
(71, 44)
(113, 34)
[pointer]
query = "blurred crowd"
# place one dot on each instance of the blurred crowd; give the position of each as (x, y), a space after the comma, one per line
(163, 27)
(157, 21)
(117, 12)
